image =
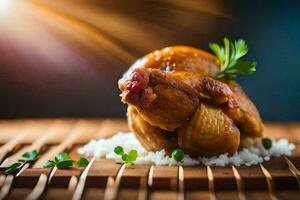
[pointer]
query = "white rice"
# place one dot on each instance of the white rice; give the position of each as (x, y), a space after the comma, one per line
(252, 153)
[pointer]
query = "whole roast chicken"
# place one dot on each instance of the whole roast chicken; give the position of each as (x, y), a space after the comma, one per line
(173, 102)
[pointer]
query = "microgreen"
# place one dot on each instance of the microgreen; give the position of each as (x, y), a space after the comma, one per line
(178, 155)
(267, 143)
(27, 157)
(14, 167)
(64, 164)
(119, 150)
(82, 162)
(229, 57)
(64, 161)
(61, 157)
(49, 163)
(129, 157)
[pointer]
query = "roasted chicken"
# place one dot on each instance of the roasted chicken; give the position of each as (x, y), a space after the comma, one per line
(173, 101)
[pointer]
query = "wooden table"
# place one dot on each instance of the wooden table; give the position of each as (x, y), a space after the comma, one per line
(104, 179)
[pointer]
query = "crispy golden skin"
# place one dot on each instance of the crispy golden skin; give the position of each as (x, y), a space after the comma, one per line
(245, 114)
(170, 90)
(152, 138)
(168, 100)
(178, 58)
(210, 132)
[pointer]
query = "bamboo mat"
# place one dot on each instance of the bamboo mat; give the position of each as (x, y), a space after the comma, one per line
(104, 179)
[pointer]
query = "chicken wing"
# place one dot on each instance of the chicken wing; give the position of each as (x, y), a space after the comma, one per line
(210, 132)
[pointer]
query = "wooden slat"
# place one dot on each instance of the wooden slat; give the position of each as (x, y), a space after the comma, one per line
(195, 178)
(28, 135)
(294, 130)
(253, 178)
(278, 131)
(105, 179)
(11, 128)
(224, 178)
(81, 132)
(282, 176)
(111, 126)
(57, 129)
(164, 177)
(100, 171)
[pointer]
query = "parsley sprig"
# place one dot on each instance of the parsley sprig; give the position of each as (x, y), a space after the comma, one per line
(229, 56)
(64, 161)
(27, 157)
(129, 157)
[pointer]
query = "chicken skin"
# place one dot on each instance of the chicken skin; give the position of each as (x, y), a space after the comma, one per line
(210, 132)
(168, 100)
(177, 58)
(171, 92)
(151, 137)
(245, 114)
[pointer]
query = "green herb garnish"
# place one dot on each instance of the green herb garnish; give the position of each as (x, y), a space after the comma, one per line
(64, 161)
(129, 157)
(229, 57)
(82, 162)
(62, 157)
(178, 155)
(49, 163)
(14, 167)
(267, 143)
(27, 157)
(64, 164)
(119, 150)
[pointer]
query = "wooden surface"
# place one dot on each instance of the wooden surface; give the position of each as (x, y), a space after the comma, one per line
(104, 179)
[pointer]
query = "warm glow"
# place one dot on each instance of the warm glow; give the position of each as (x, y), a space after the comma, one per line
(6, 7)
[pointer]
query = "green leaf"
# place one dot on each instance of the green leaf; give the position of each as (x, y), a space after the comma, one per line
(29, 156)
(219, 51)
(227, 52)
(132, 155)
(119, 150)
(178, 155)
(61, 157)
(241, 48)
(232, 47)
(64, 164)
(14, 167)
(245, 66)
(49, 163)
(125, 158)
(82, 162)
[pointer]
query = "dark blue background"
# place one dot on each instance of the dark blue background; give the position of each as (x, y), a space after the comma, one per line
(272, 29)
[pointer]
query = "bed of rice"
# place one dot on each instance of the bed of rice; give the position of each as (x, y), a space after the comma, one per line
(252, 153)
